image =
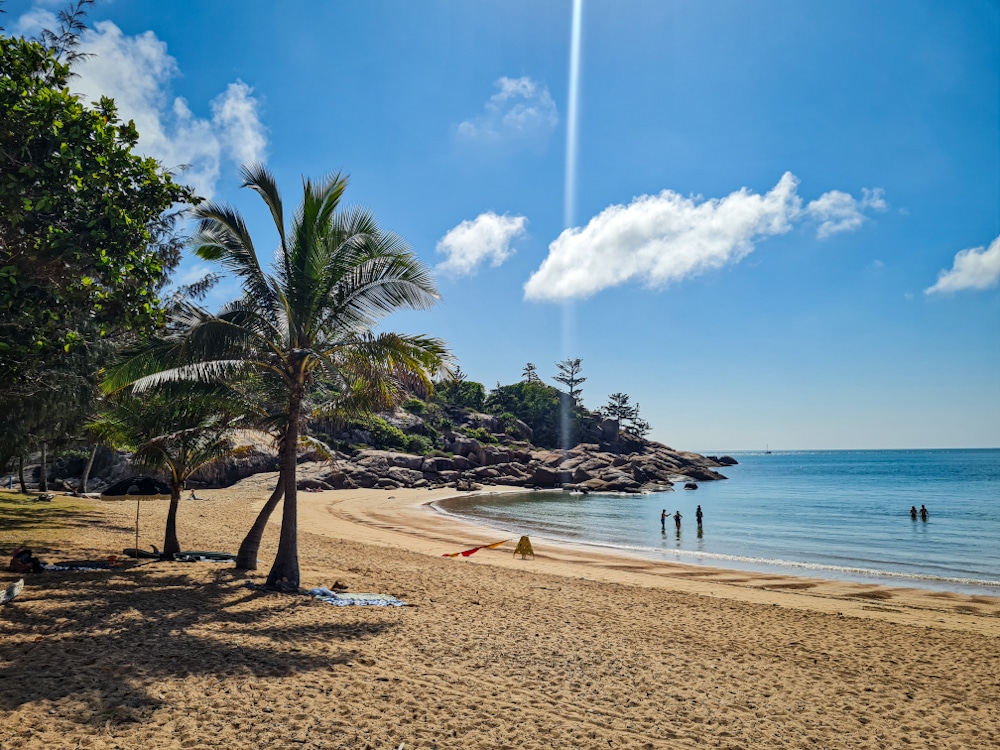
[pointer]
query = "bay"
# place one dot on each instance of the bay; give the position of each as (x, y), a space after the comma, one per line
(834, 514)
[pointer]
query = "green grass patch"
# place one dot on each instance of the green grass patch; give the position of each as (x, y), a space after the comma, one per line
(25, 520)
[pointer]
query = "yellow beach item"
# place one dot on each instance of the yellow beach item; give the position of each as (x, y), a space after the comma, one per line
(524, 549)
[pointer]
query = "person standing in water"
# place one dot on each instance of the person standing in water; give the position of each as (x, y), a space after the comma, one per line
(677, 519)
(913, 512)
(698, 515)
(923, 513)
(663, 519)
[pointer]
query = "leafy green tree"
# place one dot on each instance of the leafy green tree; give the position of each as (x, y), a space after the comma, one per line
(538, 405)
(336, 275)
(569, 376)
(51, 414)
(86, 237)
(466, 394)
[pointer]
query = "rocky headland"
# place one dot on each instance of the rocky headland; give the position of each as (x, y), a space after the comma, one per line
(588, 467)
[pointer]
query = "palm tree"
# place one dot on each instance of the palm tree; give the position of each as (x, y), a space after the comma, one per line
(359, 393)
(178, 428)
(336, 274)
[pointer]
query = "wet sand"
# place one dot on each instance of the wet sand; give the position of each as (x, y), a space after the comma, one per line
(573, 649)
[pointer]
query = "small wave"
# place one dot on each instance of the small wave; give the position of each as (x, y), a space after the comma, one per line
(773, 562)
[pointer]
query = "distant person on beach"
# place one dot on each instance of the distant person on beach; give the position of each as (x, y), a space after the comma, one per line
(923, 513)
(193, 496)
(677, 519)
(663, 519)
(913, 512)
(698, 515)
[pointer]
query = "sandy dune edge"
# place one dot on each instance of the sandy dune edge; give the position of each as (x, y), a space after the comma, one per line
(573, 649)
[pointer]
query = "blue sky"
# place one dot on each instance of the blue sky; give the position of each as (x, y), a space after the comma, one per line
(786, 216)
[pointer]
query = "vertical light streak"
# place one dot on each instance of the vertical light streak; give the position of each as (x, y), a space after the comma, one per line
(569, 186)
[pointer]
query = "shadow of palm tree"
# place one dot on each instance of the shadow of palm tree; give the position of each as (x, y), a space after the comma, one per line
(44, 516)
(147, 627)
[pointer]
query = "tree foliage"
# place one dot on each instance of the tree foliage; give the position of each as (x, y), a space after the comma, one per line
(86, 240)
(539, 406)
(176, 429)
(621, 408)
(467, 394)
(569, 376)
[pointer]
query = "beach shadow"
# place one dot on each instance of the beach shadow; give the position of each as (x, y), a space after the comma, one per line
(32, 516)
(102, 646)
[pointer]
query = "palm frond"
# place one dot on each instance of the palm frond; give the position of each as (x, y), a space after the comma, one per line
(205, 372)
(222, 236)
(261, 180)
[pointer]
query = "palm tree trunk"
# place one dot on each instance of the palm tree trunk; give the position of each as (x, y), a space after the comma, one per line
(246, 558)
(170, 544)
(284, 574)
(20, 475)
(86, 469)
(43, 478)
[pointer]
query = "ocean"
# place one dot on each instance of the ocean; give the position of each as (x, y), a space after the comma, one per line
(827, 514)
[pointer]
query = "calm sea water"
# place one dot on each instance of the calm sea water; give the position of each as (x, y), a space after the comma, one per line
(832, 514)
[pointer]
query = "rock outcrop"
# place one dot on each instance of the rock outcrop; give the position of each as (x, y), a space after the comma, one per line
(585, 468)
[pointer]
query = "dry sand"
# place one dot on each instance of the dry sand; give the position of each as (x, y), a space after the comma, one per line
(570, 650)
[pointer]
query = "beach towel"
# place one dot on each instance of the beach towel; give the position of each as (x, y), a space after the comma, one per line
(324, 594)
(466, 553)
(80, 567)
(204, 556)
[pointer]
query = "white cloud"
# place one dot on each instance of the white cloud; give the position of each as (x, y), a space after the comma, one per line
(136, 72)
(974, 268)
(30, 23)
(485, 238)
(235, 111)
(838, 211)
(521, 108)
(661, 239)
(194, 273)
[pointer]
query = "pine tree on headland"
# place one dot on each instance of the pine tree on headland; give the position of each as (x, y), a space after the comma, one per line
(569, 376)
(638, 426)
(619, 407)
(530, 374)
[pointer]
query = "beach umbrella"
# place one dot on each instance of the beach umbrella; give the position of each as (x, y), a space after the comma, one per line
(140, 488)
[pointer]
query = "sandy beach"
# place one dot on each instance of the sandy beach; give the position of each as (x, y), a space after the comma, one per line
(572, 649)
